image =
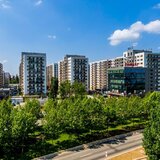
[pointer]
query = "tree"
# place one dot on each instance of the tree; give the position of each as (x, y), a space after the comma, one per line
(14, 79)
(151, 140)
(23, 124)
(54, 88)
(5, 127)
(54, 113)
(65, 89)
(33, 107)
(78, 88)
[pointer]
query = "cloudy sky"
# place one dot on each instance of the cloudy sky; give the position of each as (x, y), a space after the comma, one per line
(99, 29)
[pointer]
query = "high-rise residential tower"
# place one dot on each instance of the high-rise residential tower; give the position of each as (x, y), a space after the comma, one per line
(51, 71)
(99, 75)
(73, 68)
(33, 73)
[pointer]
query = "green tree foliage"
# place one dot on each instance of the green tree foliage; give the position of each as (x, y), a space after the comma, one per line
(151, 141)
(78, 89)
(33, 107)
(23, 124)
(65, 89)
(54, 88)
(77, 115)
(16, 127)
(5, 126)
(14, 79)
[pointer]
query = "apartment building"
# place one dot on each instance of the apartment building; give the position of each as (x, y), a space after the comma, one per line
(6, 79)
(51, 71)
(73, 68)
(1, 75)
(129, 56)
(33, 73)
(99, 74)
(119, 62)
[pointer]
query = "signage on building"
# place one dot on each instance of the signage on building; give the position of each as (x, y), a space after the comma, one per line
(131, 64)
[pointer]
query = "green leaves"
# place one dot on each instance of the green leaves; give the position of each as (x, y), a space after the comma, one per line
(65, 89)
(16, 125)
(54, 88)
(76, 114)
(23, 123)
(76, 89)
(151, 141)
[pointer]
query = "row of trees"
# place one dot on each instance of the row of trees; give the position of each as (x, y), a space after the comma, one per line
(75, 115)
(79, 115)
(66, 89)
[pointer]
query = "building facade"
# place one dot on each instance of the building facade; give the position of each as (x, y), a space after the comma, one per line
(33, 73)
(73, 68)
(99, 75)
(119, 62)
(51, 71)
(6, 79)
(1, 75)
(130, 56)
(152, 62)
(127, 80)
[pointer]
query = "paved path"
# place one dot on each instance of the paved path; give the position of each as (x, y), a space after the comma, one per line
(98, 152)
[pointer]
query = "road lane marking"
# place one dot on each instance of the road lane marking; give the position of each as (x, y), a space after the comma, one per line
(85, 155)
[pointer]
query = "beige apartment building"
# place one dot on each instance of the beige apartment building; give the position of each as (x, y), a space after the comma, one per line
(99, 74)
(51, 71)
(73, 68)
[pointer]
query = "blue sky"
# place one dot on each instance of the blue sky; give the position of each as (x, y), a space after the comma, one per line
(99, 29)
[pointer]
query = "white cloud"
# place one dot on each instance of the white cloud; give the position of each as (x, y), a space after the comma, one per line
(122, 35)
(157, 6)
(52, 37)
(158, 47)
(134, 44)
(134, 32)
(5, 4)
(38, 2)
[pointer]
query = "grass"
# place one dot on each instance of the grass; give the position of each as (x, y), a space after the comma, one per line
(62, 137)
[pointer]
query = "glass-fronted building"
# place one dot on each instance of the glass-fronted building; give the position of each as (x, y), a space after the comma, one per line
(127, 79)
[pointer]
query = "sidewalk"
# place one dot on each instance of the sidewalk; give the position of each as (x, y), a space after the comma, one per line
(135, 154)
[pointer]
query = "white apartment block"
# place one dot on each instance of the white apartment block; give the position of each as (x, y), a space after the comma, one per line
(33, 73)
(130, 56)
(73, 68)
(99, 74)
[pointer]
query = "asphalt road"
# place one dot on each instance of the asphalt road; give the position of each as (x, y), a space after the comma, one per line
(98, 152)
